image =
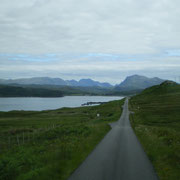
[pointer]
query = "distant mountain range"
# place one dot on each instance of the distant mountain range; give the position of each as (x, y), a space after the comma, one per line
(55, 81)
(131, 85)
(137, 82)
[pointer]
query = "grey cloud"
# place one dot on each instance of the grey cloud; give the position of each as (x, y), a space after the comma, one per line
(121, 26)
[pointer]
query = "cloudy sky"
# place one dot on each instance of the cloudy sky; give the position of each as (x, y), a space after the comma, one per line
(105, 40)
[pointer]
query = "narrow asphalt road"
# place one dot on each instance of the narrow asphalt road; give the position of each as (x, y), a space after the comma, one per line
(119, 156)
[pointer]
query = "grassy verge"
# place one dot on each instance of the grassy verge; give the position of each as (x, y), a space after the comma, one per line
(156, 122)
(51, 144)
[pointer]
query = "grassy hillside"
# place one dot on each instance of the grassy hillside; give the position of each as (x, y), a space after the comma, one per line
(51, 144)
(156, 121)
(15, 90)
(12, 91)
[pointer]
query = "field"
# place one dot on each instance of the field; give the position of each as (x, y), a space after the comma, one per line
(156, 122)
(51, 144)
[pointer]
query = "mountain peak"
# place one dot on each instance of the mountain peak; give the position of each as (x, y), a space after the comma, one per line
(138, 82)
(88, 79)
(135, 76)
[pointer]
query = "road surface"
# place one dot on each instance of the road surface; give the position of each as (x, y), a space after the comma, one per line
(119, 156)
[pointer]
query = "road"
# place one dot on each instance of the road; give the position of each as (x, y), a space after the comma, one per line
(119, 156)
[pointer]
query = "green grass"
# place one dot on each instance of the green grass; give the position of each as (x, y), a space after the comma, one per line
(51, 144)
(156, 122)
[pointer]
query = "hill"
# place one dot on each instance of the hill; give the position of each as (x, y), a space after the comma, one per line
(167, 87)
(137, 83)
(16, 90)
(156, 122)
(55, 81)
(11, 91)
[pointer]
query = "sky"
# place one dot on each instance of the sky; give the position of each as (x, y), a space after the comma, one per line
(105, 40)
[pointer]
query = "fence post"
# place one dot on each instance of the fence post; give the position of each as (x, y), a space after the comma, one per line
(28, 137)
(9, 141)
(33, 136)
(23, 137)
(17, 140)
